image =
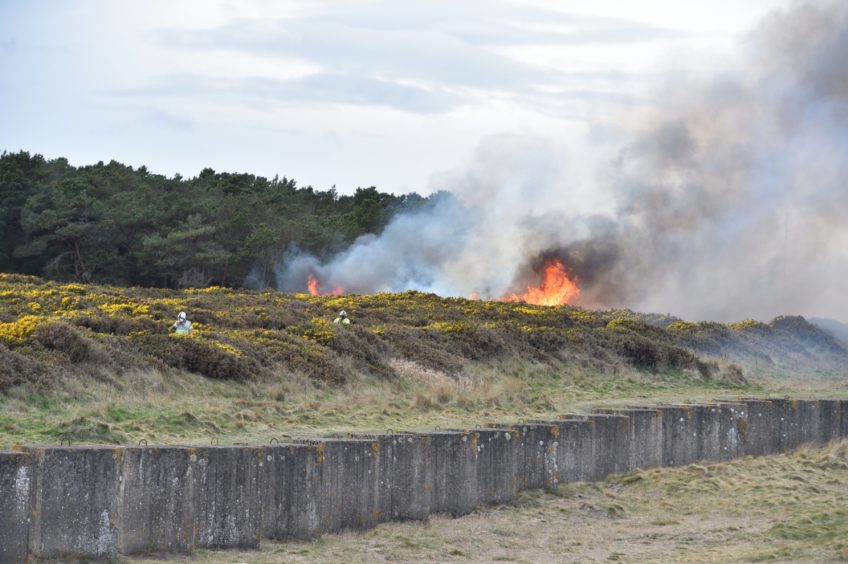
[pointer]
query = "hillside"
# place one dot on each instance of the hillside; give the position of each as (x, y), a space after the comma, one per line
(48, 330)
(97, 363)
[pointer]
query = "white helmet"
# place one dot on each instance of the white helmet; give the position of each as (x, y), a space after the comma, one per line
(182, 316)
(343, 313)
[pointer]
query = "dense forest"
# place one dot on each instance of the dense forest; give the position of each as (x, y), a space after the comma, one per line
(111, 223)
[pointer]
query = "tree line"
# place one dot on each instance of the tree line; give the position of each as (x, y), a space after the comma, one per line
(115, 224)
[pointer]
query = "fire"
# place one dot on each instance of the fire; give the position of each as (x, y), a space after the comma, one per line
(313, 286)
(557, 288)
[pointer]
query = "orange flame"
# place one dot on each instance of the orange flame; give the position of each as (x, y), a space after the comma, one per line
(313, 286)
(557, 288)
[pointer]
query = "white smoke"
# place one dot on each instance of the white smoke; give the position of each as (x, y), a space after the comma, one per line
(731, 198)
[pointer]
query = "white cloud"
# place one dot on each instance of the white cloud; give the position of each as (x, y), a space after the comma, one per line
(345, 92)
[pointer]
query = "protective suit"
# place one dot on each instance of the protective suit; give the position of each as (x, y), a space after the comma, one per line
(342, 319)
(182, 326)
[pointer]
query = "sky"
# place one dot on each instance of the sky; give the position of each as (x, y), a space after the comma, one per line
(346, 93)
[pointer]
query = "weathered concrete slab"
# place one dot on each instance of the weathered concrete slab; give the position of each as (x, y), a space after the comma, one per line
(843, 418)
(575, 451)
(680, 435)
(708, 424)
(17, 481)
(645, 440)
(497, 465)
(763, 431)
(76, 509)
(733, 427)
(610, 444)
(411, 477)
(808, 420)
(829, 420)
(454, 473)
(537, 445)
(350, 484)
(291, 491)
(406, 475)
(227, 501)
(786, 418)
(385, 484)
(157, 500)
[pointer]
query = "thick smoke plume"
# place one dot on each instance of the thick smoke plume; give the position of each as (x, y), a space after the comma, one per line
(730, 200)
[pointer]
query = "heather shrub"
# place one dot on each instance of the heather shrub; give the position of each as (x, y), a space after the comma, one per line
(17, 368)
(637, 350)
(194, 355)
(66, 339)
(116, 325)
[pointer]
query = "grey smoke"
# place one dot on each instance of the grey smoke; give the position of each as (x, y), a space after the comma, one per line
(730, 198)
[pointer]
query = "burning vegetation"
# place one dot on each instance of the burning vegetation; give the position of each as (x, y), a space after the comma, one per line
(314, 288)
(557, 287)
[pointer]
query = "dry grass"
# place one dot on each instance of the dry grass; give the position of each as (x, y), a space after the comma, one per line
(785, 508)
(152, 405)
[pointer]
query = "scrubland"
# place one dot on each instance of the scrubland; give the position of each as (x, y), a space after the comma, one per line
(96, 364)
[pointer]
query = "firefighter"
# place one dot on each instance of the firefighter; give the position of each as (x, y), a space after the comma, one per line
(342, 319)
(182, 326)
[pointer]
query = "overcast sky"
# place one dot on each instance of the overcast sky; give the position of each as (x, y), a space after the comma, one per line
(349, 92)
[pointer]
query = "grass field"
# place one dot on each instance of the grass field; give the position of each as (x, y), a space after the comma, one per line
(780, 508)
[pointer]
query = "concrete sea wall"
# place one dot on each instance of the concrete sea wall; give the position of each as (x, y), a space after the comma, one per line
(89, 503)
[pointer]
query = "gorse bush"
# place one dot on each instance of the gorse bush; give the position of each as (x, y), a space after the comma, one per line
(48, 329)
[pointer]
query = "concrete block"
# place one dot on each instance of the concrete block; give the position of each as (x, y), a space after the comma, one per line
(406, 475)
(385, 484)
(576, 450)
(708, 424)
(733, 427)
(786, 418)
(610, 437)
(227, 501)
(350, 484)
(680, 435)
(808, 421)
(497, 465)
(411, 477)
(843, 418)
(829, 420)
(537, 445)
(76, 510)
(157, 500)
(454, 473)
(291, 491)
(763, 431)
(17, 481)
(645, 442)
